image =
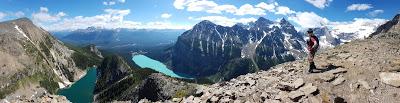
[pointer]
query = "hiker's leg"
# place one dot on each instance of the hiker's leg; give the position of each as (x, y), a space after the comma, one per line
(311, 61)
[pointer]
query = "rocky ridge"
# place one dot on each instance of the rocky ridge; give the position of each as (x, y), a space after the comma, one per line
(360, 71)
(357, 72)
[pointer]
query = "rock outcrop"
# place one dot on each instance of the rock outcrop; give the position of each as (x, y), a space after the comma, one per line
(44, 98)
(93, 49)
(159, 87)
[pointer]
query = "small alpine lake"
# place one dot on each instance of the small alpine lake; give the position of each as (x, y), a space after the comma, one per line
(146, 62)
(82, 90)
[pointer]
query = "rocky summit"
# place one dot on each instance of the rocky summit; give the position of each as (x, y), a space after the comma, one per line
(361, 71)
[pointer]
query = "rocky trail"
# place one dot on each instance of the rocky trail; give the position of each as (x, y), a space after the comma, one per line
(362, 71)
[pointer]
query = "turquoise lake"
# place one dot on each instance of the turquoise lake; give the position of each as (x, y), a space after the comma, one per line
(146, 62)
(82, 90)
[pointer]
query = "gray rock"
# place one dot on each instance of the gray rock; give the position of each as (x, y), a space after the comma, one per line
(295, 95)
(284, 86)
(214, 99)
(237, 101)
(176, 99)
(364, 84)
(338, 81)
(281, 95)
(392, 79)
(299, 82)
(271, 101)
(225, 99)
(338, 70)
(327, 77)
(196, 100)
(308, 89)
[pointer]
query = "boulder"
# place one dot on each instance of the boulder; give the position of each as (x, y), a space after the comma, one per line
(296, 95)
(364, 84)
(176, 100)
(281, 95)
(338, 81)
(392, 79)
(327, 77)
(337, 70)
(308, 89)
(214, 99)
(299, 82)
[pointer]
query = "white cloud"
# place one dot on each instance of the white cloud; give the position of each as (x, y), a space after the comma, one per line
(166, 15)
(270, 7)
(43, 16)
(180, 4)
(224, 21)
(249, 9)
(2, 15)
(359, 7)
(321, 4)
(19, 14)
(284, 10)
(223, 8)
(109, 3)
(110, 19)
(246, 9)
(201, 5)
(375, 13)
(212, 7)
(113, 2)
(362, 26)
(309, 19)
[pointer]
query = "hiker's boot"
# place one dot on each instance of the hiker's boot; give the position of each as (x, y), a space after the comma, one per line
(312, 67)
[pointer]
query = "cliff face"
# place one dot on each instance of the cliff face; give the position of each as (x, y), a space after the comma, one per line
(226, 52)
(30, 55)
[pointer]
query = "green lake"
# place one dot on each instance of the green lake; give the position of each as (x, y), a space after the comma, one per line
(82, 90)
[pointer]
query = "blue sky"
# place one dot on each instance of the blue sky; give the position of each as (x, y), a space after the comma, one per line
(176, 14)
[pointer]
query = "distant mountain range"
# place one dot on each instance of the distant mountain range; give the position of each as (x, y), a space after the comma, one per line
(119, 38)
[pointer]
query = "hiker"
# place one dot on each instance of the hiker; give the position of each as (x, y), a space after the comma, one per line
(312, 46)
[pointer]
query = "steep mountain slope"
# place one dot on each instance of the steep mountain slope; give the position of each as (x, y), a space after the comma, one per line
(117, 81)
(30, 57)
(360, 71)
(226, 52)
(389, 29)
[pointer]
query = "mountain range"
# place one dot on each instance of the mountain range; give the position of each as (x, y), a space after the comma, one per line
(119, 38)
(226, 52)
